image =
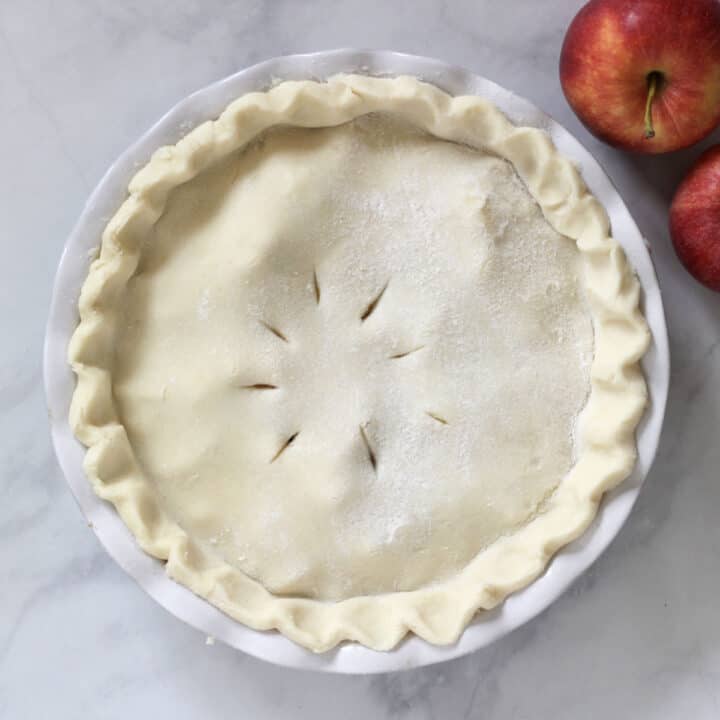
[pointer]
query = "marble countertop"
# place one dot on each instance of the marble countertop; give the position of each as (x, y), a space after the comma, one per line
(637, 636)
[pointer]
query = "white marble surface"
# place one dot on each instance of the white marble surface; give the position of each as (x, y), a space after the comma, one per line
(638, 636)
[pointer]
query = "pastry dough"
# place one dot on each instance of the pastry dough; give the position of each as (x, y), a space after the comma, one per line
(357, 358)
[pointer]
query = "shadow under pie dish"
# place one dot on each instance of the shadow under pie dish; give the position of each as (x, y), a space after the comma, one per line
(357, 358)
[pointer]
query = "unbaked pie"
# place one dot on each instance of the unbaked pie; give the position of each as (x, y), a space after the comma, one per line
(357, 358)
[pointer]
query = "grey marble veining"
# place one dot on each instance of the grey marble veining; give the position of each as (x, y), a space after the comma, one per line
(637, 636)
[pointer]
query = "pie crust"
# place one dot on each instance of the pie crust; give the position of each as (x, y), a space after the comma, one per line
(357, 358)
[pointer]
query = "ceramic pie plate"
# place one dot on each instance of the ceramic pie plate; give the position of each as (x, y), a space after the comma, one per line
(82, 244)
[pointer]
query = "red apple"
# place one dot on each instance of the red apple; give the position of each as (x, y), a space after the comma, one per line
(695, 219)
(644, 75)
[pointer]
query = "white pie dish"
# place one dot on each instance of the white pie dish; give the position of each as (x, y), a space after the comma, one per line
(149, 573)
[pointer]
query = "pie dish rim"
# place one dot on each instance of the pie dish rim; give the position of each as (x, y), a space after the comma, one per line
(345, 658)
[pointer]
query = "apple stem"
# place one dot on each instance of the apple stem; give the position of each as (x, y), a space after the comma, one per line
(652, 80)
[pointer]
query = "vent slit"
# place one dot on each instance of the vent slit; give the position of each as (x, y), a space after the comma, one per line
(316, 287)
(368, 447)
(370, 309)
(284, 446)
(274, 331)
(400, 355)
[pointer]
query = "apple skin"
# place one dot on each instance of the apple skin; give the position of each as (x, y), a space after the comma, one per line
(609, 52)
(695, 219)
